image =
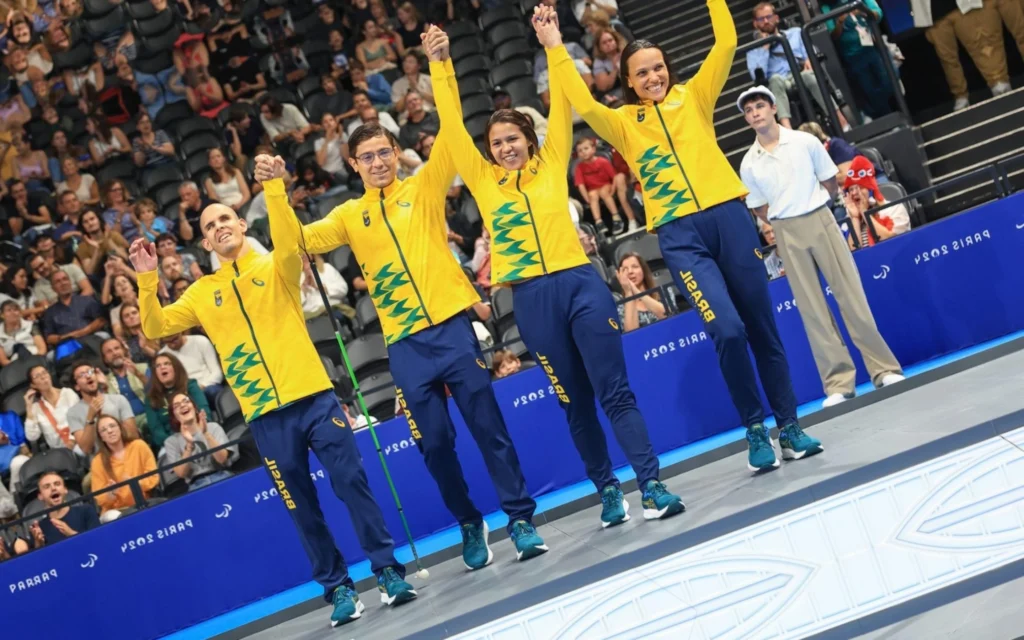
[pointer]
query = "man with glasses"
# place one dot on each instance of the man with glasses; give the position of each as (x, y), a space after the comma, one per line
(397, 233)
(71, 316)
(43, 268)
(772, 63)
(82, 417)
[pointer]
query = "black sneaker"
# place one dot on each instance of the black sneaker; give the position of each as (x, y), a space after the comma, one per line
(618, 226)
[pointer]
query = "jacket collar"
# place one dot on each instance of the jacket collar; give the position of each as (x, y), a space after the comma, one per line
(523, 176)
(375, 195)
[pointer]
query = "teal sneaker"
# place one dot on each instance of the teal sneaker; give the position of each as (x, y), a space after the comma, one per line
(615, 509)
(393, 589)
(347, 606)
(475, 552)
(528, 542)
(760, 452)
(659, 503)
(796, 444)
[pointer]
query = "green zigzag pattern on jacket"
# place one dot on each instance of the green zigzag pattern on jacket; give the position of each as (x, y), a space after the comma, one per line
(402, 309)
(506, 218)
(652, 164)
(240, 364)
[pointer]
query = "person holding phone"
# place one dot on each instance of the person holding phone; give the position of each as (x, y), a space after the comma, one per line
(46, 410)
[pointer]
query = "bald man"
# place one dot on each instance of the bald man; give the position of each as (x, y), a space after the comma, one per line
(250, 308)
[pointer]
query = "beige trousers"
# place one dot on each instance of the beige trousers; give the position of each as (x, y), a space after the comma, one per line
(811, 243)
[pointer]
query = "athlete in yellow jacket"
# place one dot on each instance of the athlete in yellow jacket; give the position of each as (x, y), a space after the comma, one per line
(564, 310)
(251, 311)
(693, 201)
(398, 235)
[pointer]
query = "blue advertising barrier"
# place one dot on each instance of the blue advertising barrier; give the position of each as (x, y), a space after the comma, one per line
(947, 286)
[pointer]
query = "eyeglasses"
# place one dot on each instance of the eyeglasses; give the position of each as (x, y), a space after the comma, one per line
(85, 375)
(384, 154)
(182, 404)
(764, 18)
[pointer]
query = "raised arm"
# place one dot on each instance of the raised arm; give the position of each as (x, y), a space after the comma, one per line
(439, 172)
(468, 161)
(706, 85)
(158, 321)
(558, 142)
(562, 73)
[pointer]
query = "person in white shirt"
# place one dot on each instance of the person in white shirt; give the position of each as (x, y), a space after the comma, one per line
(367, 114)
(17, 335)
(199, 358)
(791, 180)
(46, 410)
(332, 148)
(334, 284)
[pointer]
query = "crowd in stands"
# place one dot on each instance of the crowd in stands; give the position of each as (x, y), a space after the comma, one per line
(123, 119)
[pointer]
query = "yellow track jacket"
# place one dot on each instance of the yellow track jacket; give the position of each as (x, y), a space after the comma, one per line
(526, 211)
(400, 239)
(670, 146)
(252, 312)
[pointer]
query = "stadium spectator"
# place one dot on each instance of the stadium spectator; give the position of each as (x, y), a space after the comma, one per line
(141, 348)
(70, 209)
(118, 286)
(862, 61)
(127, 378)
(375, 85)
(367, 113)
(374, 52)
(413, 79)
(71, 316)
(62, 523)
(178, 287)
(595, 178)
(336, 101)
(841, 151)
(334, 284)
(205, 95)
(608, 46)
(635, 277)
(243, 79)
(410, 26)
(25, 210)
(151, 224)
(332, 148)
(190, 208)
(151, 147)
(98, 242)
(95, 401)
(225, 183)
(19, 337)
(46, 410)
(357, 420)
(118, 212)
(105, 142)
(772, 261)
(505, 363)
(16, 285)
(121, 457)
(340, 55)
(166, 246)
(284, 123)
(193, 434)
(169, 379)
(861, 194)
(581, 7)
(43, 268)
(328, 20)
(197, 355)
(243, 135)
(418, 121)
(82, 185)
(61, 148)
(769, 61)
(13, 451)
(30, 166)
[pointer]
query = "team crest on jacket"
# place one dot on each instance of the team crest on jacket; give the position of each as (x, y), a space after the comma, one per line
(613, 324)
(403, 203)
(217, 300)
(366, 218)
(640, 115)
(258, 282)
(757, 252)
(503, 180)
(480, 363)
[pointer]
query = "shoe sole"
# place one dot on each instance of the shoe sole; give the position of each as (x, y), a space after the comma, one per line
(669, 511)
(490, 554)
(532, 552)
(399, 598)
(793, 454)
(360, 607)
(625, 518)
(768, 467)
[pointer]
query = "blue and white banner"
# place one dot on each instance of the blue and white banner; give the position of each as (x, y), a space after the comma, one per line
(945, 287)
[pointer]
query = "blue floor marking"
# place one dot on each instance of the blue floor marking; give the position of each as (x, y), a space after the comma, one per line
(451, 537)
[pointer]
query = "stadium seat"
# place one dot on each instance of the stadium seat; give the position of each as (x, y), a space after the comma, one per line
(140, 10)
(366, 315)
(188, 127)
(515, 49)
(229, 410)
(894, 191)
(120, 167)
(158, 25)
(97, 8)
(306, 149)
(15, 402)
(163, 42)
(308, 86)
(166, 194)
(339, 260)
(171, 113)
(153, 62)
(15, 375)
(876, 158)
(504, 13)
(248, 455)
(321, 332)
(37, 506)
(662, 277)
(472, 66)
(506, 32)
(510, 338)
(100, 25)
(512, 70)
(523, 92)
(160, 175)
(285, 94)
(461, 29)
(368, 355)
(77, 57)
(527, 6)
(197, 168)
(502, 311)
(62, 461)
(647, 246)
(199, 144)
(474, 85)
(380, 401)
(477, 105)
(601, 268)
(465, 48)
(477, 126)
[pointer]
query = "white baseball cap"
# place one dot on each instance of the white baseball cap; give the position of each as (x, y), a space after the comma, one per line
(759, 90)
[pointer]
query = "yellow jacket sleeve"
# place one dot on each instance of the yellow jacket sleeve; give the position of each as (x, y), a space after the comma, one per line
(439, 172)
(558, 141)
(707, 84)
(608, 123)
(468, 161)
(158, 321)
(324, 235)
(285, 229)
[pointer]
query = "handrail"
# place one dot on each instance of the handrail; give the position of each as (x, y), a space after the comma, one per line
(876, 34)
(787, 50)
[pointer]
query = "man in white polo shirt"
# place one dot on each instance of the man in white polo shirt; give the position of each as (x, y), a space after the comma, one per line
(791, 181)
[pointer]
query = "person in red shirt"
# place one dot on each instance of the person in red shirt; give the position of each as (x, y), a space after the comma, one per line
(595, 177)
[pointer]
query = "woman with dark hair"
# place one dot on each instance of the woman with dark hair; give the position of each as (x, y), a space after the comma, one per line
(226, 184)
(105, 142)
(694, 203)
(283, 121)
(118, 286)
(46, 410)
(61, 148)
(192, 435)
(565, 313)
(118, 213)
(374, 51)
(169, 379)
(141, 348)
(98, 241)
(410, 26)
(16, 284)
(635, 277)
(121, 457)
